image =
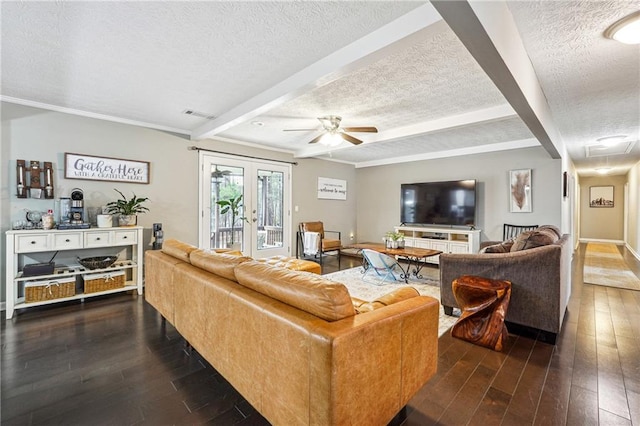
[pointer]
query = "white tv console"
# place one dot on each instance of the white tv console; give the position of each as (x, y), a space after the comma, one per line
(446, 240)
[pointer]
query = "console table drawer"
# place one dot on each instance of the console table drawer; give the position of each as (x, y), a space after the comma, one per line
(96, 239)
(30, 243)
(67, 241)
(124, 237)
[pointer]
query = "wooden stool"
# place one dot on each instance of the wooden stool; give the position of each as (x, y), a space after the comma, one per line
(484, 304)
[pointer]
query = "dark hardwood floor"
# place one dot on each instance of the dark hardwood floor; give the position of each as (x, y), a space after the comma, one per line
(112, 361)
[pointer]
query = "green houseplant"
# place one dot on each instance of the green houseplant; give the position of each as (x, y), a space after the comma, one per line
(128, 209)
(233, 205)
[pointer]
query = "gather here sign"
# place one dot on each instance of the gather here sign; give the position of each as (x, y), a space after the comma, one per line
(89, 167)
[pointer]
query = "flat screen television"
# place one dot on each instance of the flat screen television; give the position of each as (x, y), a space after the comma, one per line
(450, 203)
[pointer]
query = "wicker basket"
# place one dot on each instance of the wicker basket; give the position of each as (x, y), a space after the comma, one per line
(97, 262)
(38, 291)
(102, 282)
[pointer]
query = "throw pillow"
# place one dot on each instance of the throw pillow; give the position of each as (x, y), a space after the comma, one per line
(532, 239)
(504, 247)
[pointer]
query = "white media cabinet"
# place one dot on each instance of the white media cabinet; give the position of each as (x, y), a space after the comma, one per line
(37, 246)
(446, 240)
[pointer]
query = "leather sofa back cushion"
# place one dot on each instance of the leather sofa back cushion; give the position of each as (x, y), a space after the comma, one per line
(303, 290)
(532, 239)
(221, 264)
(404, 293)
(178, 249)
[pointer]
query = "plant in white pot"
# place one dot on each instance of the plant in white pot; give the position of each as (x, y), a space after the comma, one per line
(128, 209)
(232, 205)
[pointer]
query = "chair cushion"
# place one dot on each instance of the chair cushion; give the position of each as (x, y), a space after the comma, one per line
(313, 227)
(222, 264)
(178, 249)
(303, 290)
(532, 239)
(328, 245)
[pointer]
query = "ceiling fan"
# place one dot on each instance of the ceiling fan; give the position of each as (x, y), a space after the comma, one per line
(333, 134)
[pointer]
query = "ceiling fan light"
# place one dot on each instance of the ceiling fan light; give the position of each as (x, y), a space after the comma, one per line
(625, 30)
(331, 139)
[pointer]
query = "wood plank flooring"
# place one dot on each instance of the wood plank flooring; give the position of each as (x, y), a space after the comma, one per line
(112, 361)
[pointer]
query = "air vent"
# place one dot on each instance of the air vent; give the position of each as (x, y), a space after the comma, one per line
(603, 151)
(199, 114)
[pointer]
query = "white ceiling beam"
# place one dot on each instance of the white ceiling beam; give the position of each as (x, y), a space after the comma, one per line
(480, 149)
(391, 38)
(485, 115)
(489, 33)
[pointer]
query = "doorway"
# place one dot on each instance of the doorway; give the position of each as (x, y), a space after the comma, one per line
(245, 205)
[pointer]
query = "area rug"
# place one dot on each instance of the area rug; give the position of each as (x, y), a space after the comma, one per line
(604, 265)
(370, 288)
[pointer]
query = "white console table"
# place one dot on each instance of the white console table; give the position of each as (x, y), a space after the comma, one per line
(36, 246)
(446, 240)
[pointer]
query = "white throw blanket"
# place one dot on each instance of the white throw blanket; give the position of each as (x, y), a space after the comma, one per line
(311, 243)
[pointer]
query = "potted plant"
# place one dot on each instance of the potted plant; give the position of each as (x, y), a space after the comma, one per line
(233, 205)
(394, 239)
(128, 209)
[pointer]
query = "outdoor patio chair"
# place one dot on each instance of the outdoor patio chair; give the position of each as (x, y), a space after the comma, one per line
(383, 265)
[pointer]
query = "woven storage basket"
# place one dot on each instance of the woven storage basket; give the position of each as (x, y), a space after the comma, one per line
(102, 282)
(38, 291)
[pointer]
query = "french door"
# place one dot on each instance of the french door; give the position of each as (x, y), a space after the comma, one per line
(245, 205)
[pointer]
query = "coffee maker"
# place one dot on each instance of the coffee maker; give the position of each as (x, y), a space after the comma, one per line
(76, 213)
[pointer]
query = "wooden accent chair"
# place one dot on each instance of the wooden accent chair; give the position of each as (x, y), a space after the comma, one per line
(511, 231)
(311, 239)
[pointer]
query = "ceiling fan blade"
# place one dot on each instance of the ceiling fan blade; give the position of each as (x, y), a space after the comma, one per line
(350, 138)
(360, 129)
(316, 139)
(299, 130)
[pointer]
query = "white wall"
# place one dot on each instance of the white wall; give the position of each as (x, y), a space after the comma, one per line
(602, 223)
(35, 134)
(633, 222)
(379, 190)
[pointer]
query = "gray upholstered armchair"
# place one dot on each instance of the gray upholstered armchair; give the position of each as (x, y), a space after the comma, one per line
(540, 279)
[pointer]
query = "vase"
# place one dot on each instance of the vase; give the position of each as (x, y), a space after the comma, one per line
(127, 220)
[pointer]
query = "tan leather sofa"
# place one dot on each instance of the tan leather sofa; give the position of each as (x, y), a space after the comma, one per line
(291, 342)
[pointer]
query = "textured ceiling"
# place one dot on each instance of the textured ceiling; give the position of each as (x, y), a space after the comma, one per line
(146, 62)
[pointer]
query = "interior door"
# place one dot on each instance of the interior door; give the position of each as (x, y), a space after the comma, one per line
(245, 205)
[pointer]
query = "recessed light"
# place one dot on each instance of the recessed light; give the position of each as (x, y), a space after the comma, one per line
(603, 170)
(611, 140)
(625, 30)
(257, 123)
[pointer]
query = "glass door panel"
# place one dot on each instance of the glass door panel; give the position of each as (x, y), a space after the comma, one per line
(245, 206)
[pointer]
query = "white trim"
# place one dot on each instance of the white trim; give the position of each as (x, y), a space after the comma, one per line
(599, 240)
(632, 251)
(97, 116)
(503, 146)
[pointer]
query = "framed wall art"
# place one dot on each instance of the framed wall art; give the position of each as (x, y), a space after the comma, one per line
(332, 189)
(520, 191)
(601, 196)
(90, 167)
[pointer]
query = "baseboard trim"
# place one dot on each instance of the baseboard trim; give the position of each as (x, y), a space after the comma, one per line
(632, 251)
(597, 240)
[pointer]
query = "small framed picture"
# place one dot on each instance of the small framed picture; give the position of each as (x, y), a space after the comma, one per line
(520, 191)
(601, 196)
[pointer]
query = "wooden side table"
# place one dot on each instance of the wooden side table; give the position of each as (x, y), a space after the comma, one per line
(484, 304)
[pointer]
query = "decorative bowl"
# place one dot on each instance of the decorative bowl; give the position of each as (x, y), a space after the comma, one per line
(97, 262)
